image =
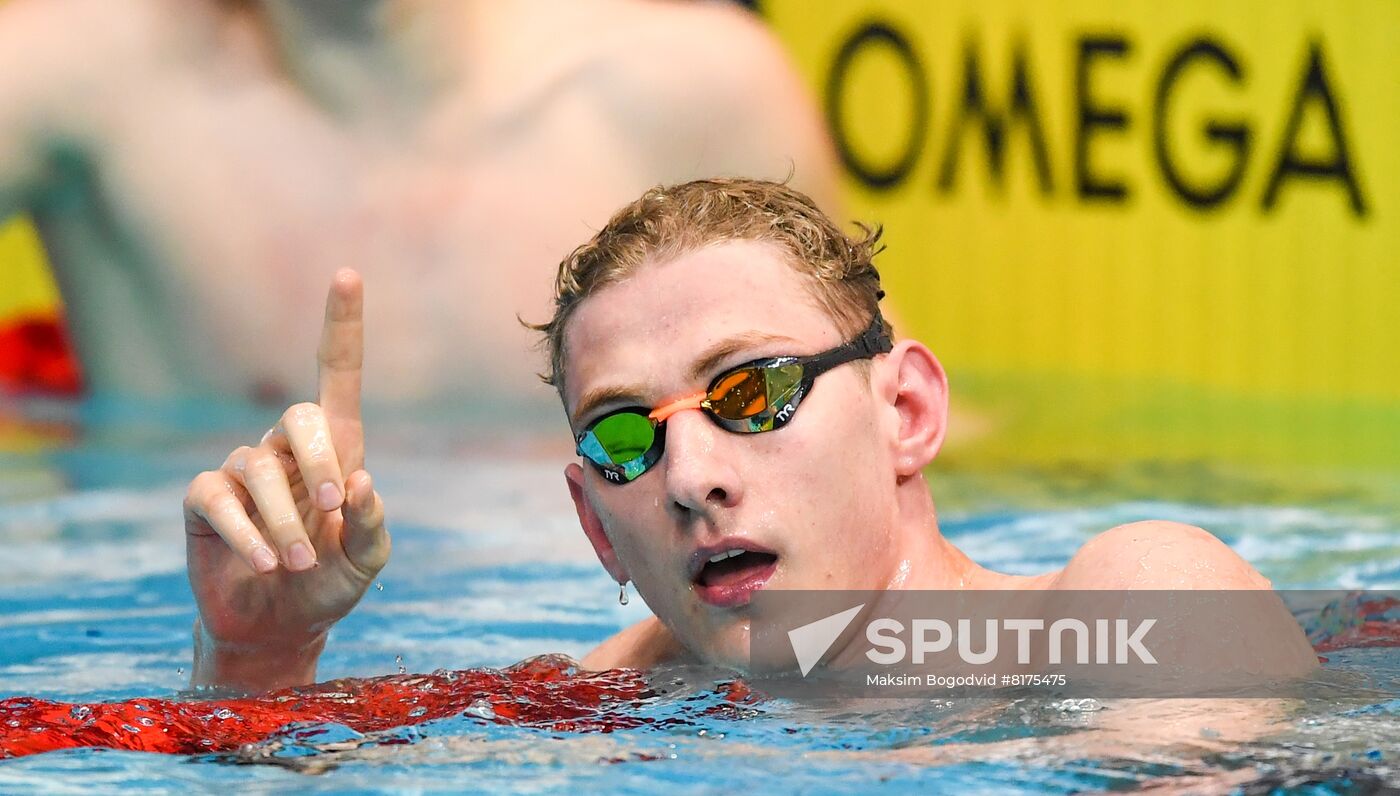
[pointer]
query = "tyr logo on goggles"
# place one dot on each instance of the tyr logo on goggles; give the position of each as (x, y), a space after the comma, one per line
(757, 396)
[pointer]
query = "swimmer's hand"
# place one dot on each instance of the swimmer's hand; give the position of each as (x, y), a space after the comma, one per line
(285, 537)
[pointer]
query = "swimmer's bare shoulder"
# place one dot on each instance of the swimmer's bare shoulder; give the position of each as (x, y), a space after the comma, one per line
(709, 82)
(646, 644)
(69, 69)
(1157, 554)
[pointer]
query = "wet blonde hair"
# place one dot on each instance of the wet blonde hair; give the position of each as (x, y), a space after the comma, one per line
(670, 221)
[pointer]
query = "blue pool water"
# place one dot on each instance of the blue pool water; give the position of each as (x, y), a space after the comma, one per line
(490, 568)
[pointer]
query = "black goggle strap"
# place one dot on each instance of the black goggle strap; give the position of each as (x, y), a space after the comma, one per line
(874, 340)
(782, 406)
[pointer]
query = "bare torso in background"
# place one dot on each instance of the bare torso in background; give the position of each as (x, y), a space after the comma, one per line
(199, 169)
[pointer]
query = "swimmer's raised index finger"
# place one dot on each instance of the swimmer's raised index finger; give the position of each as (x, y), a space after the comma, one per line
(341, 354)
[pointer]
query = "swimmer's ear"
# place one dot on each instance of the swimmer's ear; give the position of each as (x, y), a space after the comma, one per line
(592, 526)
(911, 383)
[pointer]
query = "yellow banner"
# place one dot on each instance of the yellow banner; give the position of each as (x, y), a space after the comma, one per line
(1129, 227)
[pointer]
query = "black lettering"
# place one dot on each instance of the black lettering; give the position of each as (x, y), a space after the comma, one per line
(1292, 164)
(1233, 135)
(975, 108)
(1094, 118)
(878, 34)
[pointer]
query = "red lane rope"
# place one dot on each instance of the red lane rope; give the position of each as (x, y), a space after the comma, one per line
(547, 692)
(1363, 622)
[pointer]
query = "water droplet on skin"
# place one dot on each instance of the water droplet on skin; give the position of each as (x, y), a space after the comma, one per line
(416, 712)
(223, 713)
(80, 712)
(146, 721)
(131, 729)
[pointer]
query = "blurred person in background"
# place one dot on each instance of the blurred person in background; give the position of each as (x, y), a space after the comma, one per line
(197, 169)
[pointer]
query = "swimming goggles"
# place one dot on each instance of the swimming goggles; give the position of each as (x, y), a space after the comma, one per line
(754, 397)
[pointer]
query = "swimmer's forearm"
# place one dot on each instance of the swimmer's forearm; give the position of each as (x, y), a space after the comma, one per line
(253, 669)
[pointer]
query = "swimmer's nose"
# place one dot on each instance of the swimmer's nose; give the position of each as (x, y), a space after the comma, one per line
(700, 474)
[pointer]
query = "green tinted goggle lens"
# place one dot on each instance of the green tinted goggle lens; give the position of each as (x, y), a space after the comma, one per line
(625, 436)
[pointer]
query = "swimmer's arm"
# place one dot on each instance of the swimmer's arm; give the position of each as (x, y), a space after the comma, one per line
(253, 669)
(772, 117)
(1127, 729)
(644, 645)
(21, 105)
(729, 103)
(46, 48)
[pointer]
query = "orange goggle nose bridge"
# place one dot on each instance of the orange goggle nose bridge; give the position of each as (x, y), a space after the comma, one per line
(660, 413)
(739, 395)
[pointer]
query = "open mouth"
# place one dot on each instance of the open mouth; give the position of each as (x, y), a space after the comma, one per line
(729, 577)
(733, 567)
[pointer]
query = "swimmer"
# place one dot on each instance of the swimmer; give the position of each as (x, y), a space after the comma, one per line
(672, 328)
(198, 169)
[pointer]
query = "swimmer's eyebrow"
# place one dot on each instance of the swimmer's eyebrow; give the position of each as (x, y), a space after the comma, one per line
(711, 357)
(705, 363)
(605, 395)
